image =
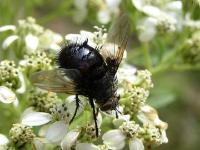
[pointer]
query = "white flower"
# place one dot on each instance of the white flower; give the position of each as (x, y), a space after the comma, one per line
(138, 4)
(109, 7)
(36, 118)
(50, 40)
(3, 140)
(126, 73)
(94, 39)
(57, 132)
(192, 24)
(136, 144)
(104, 16)
(9, 40)
(22, 87)
(76, 38)
(165, 19)
(7, 27)
(39, 143)
(86, 146)
(69, 140)
(148, 115)
(6, 95)
(147, 27)
(115, 140)
(31, 42)
(121, 118)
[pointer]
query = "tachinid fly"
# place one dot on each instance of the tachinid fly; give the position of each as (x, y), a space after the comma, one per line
(88, 71)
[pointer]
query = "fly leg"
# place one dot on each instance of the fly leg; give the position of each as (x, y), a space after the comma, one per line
(94, 116)
(97, 112)
(77, 107)
(116, 112)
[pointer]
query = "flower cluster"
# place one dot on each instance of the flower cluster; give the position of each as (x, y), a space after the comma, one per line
(29, 37)
(138, 125)
(43, 101)
(21, 134)
(137, 90)
(106, 9)
(191, 50)
(34, 62)
(11, 76)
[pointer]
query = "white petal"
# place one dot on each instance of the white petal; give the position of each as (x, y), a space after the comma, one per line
(103, 16)
(138, 4)
(6, 95)
(87, 34)
(126, 73)
(149, 115)
(43, 130)
(174, 5)
(86, 146)
(36, 118)
(152, 10)
(147, 29)
(56, 132)
(16, 103)
(114, 139)
(164, 136)
(38, 144)
(136, 144)
(57, 38)
(7, 27)
(9, 40)
(112, 4)
(55, 47)
(71, 103)
(74, 38)
(147, 35)
(27, 111)
(69, 140)
(99, 120)
(31, 42)
(122, 118)
(90, 36)
(3, 140)
(22, 88)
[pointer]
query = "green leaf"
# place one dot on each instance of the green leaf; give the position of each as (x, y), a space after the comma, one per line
(161, 98)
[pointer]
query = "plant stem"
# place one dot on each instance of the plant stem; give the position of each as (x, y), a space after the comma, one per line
(147, 56)
(185, 67)
(168, 61)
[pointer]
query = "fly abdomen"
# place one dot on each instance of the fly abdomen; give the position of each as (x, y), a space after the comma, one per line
(84, 58)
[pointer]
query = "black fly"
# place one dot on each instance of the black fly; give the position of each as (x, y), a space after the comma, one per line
(84, 70)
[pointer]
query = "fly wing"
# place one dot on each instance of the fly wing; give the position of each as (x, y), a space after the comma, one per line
(116, 43)
(57, 80)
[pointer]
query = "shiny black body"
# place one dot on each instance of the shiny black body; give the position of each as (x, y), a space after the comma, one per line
(89, 71)
(96, 81)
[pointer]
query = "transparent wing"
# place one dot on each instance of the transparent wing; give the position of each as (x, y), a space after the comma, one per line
(116, 42)
(58, 80)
